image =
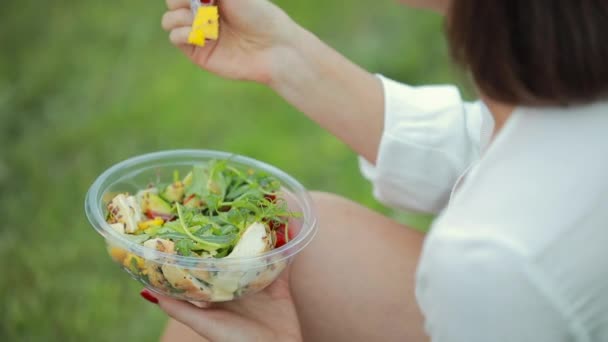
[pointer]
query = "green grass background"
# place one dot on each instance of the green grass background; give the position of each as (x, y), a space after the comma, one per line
(85, 84)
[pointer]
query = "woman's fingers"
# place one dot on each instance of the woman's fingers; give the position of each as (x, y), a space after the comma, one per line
(212, 324)
(196, 318)
(175, 4)
(178, 18)
(179, 36)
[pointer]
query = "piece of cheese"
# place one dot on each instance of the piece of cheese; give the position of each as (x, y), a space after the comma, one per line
(206, 25)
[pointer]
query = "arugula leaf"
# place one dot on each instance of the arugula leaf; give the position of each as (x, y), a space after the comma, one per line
(222, 253)
(173, 226)
(208, 243)
(174, 236)
(247, 203)
(200, 220)
(184, 247)
(204, 231)
(213, 201)
(236, 217)
(228, 229)
(267, 182)
(254, 194)
(231, 180)
(220, 241)
(200, 178)
(217, 184)
(237, 191)
(209, 183)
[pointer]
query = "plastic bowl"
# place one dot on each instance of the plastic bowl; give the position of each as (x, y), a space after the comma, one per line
(197, 279)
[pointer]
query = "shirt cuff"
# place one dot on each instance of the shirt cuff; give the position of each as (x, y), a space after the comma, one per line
(424, 148)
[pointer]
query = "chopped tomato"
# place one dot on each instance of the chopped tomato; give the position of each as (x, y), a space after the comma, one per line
(280, 232)
(271, 198)
(152, 215)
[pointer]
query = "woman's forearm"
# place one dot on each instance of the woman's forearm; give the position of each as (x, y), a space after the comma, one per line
(334, 92)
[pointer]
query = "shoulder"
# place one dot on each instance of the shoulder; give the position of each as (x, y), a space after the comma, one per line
(541, 175)
(514, 251)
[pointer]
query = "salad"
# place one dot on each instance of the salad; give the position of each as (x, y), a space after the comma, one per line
(217, 210)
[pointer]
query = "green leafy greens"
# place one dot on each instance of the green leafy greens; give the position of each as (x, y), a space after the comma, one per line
(215, 204)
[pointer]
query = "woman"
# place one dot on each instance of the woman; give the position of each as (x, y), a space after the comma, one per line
(518, 252)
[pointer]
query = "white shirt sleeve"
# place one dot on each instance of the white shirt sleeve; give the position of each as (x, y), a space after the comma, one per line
(430, 138)
(478, 290)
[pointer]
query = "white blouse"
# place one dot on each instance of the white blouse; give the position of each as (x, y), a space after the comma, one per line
(519, 251)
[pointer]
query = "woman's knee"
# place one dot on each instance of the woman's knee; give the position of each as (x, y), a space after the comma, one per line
(322, 199)
(329, 206)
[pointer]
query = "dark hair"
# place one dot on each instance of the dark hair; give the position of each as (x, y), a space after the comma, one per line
(533, 52)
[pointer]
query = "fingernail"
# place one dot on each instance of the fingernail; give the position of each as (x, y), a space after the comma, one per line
(148, 296)
(206, 1)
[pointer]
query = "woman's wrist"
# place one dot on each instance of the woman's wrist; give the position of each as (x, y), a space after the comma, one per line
(289, 64)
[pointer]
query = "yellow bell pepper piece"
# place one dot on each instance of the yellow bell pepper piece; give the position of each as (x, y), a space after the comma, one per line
(196, 37)
(118, 254)
(205, 26)
(150, 223)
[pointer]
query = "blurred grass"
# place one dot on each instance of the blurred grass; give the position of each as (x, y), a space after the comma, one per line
(85, 84)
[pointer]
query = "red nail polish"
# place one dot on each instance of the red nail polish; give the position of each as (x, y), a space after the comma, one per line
(148, 296)
(206, 1)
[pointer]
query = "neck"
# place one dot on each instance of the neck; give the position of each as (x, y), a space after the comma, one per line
(500, 111)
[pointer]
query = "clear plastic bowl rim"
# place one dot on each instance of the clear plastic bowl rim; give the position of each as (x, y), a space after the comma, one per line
(94, 211)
